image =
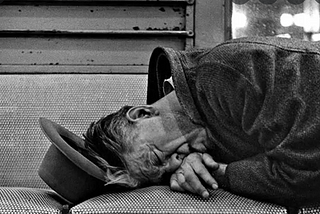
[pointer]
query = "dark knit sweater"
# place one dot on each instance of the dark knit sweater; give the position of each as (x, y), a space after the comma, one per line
(259, 99)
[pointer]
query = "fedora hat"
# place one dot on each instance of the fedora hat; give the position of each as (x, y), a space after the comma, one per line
(65, 169)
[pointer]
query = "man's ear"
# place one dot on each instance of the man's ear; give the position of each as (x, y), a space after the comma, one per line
(140, 112)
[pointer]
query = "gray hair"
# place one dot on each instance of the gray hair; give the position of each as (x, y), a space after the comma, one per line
(108, 144)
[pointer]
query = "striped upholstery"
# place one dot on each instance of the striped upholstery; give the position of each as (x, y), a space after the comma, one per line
(160, 199)
(72, 101)
(315, 209)
(27, 200)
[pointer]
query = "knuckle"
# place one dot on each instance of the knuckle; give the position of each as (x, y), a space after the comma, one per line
(201, 171)
(186, 168)
(193, 156)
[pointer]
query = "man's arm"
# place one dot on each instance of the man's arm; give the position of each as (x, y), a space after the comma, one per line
(261, 101)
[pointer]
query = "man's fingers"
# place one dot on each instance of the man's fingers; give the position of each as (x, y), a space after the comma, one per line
(184, 183)
(174, 183)
(209, 162)
(201, 170)
(206, 176)
(178, 183)
(193, 183)
(193, 175)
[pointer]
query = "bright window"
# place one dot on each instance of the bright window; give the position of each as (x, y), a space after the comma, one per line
(283, 18)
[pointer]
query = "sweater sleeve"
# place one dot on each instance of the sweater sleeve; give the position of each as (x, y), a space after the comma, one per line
(265, 122)
(264, 177)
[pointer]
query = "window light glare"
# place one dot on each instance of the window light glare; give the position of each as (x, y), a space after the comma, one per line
(315, 37)
(285, 35)
(286, 20)
(239, 20)
(300, 19)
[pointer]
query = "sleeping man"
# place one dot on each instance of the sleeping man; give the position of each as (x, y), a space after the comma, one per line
(243, 116)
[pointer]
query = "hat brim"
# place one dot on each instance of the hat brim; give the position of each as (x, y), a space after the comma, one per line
(65, 169)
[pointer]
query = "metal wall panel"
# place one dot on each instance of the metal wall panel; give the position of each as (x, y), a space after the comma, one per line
(90, 36)
(212, 22)
(112, 55)
(91, 18)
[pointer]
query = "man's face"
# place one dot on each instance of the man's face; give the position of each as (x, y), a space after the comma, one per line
(166, 134)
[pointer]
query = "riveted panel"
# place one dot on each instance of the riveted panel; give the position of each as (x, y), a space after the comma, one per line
(107, 52)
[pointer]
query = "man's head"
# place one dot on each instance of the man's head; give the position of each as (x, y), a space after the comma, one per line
(138, 145)
(105, 141)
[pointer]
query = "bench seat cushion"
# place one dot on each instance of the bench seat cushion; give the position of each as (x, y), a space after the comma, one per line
(312, 209)
(29, 200)
(160, 199)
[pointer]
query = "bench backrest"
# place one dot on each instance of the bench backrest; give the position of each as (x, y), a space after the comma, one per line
(71, 100)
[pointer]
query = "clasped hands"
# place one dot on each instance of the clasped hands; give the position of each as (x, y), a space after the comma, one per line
(196, 172)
